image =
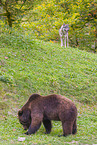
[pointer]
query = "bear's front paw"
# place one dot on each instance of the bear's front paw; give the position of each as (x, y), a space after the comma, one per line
(26, 133)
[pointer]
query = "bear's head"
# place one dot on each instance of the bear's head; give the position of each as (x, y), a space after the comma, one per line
(24, 116)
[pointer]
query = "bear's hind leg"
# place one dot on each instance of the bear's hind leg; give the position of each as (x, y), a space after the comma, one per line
(67, 128)
(47, 124)
(74, 130)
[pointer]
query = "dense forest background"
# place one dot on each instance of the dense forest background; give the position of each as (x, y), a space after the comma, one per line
(43, 19)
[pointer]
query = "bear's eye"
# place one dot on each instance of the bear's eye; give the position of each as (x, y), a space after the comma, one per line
(20, 113)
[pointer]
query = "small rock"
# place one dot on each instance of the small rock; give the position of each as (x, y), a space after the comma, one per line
(21, 138)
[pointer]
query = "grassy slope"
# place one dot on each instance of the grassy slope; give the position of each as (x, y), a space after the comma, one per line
(30, 66)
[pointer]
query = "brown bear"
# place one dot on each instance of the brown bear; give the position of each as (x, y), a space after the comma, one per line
(40, 109)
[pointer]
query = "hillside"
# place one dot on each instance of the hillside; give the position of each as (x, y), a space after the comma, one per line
(31, 66)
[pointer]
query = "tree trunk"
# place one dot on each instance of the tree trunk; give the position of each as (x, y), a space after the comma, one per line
(95, 40)
(9, 19)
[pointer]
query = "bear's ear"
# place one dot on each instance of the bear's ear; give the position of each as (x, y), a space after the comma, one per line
(20, 112)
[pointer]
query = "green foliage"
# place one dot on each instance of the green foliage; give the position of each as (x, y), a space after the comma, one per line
(50, 15)
(44, 18)
(14, 10)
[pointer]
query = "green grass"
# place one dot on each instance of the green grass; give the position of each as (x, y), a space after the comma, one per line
(31, 66)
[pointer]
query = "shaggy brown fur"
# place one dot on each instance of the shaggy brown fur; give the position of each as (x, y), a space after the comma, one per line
(40, 109)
